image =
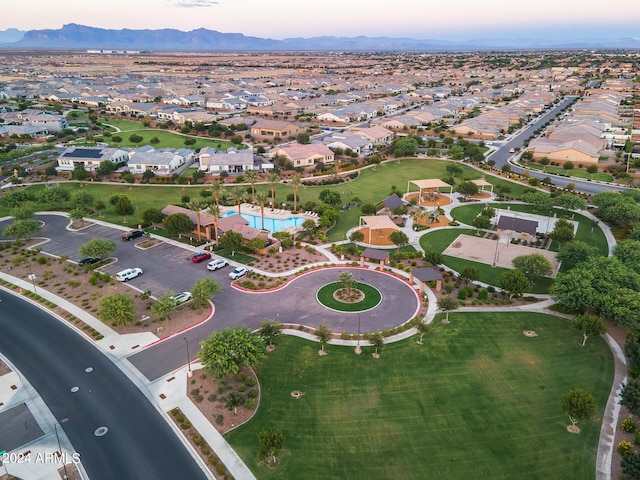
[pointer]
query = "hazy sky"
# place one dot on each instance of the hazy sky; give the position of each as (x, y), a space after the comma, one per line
(279, 19)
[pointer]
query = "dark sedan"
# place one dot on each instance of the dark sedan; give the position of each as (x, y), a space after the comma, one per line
(89, 261)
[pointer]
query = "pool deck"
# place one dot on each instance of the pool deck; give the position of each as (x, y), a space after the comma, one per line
(277, 214)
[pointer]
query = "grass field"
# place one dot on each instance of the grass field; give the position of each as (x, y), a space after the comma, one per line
(372, 298)
(439, 240)
(371, 186)
(166, 139)
(587, 230)
(478, 400)
(574, 172)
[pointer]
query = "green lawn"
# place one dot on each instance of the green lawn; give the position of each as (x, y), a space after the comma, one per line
(167, 140)
(439, 240)
(371, 299)
(587, 230)
(574, 172)
(478, 400)
(121, 123)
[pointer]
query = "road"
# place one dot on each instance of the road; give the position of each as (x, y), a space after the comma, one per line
(139, 442)
(501, 156)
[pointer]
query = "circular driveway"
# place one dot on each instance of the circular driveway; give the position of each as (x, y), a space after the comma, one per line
(296, 302)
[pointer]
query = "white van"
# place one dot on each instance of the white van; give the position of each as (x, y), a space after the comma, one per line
(128, 274)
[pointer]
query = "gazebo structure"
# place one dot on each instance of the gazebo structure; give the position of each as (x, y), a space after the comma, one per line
(429, 192)
(380, 224)
(426, 274)
(373, 255)
(482, 183)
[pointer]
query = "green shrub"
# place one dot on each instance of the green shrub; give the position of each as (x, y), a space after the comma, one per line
(250, 382)
(42, 260)
(253, 393)
(624, 447)
(628, 425)
(483, 294)
(219, 419)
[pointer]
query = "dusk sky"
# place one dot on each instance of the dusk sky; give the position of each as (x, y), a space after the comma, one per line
(280, 19)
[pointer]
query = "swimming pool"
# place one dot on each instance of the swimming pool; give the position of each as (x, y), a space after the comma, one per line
(271, 224)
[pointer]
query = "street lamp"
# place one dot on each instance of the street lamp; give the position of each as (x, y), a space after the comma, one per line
(62, 459)
(358, 350)
(189, 372)
(32, 277)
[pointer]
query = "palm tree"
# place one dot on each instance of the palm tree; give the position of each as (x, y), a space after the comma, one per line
(237, 195)
(261, 198)
(216, 186)
(214, 211)
(253, 176)
(197, 204)
(273, 178)
(296, 181)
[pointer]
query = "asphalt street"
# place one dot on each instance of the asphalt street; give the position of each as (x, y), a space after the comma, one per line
(501, 156)
(138, 444)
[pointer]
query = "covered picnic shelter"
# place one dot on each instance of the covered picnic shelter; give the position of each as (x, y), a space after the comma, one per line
(482, 183)
(373, 255)
(378, 223)
(432, 187)
(427, 274)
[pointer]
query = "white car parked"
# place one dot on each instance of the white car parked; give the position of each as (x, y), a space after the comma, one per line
(216, 264)
(128, 274)
(180, 298)
(238, 272)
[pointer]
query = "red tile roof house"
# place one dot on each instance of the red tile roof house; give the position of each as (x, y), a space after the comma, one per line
(274, 128)
(305, 155)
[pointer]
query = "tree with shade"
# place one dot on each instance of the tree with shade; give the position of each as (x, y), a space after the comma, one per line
(22, 213)
(22, 229)
(270, 330)
(470, 273)
(214, 211)
(398, 238)
(237, 195)
(124, 207)
(446, 304)
(225, 351)
(153, 216)
(178, 224)
(97, 247)
(296, 181)
(196, 205)
(541, 201)
(252, 177)
(330, 197)
(232, 241)
(579, 405)
(271, 442)
(119, 309)
(309, 225)
(421, 327)
(454, 169)
(261, 198)
(368, 209)
(234, 400)
(589, 325)
(99, 206)
(433, 258)
(202, 291)
(272, 179)
(630, 396)
(164, 306)
(628, 252)
(481, 222)
(534, 266)
(82, 200)
(347, 282)
(377, 340)
(79, 173)
(356, 236)
(323, 334)
(514, 282)
(77, 214)
(54, 196)
(404, 147)
(216, 187)
(570, 201)
(574, 252)
(563, 231)
(303, 138)
(467, 189)
(106, 167)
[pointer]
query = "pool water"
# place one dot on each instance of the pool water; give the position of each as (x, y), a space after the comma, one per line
(271, 224)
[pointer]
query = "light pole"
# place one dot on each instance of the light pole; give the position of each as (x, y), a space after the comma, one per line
(358, 350)
(32, 277)
(189, 372)
(62, 459)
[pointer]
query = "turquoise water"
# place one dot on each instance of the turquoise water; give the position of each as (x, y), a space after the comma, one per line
(271, 224)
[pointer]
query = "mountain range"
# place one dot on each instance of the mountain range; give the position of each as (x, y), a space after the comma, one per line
(73, 36)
